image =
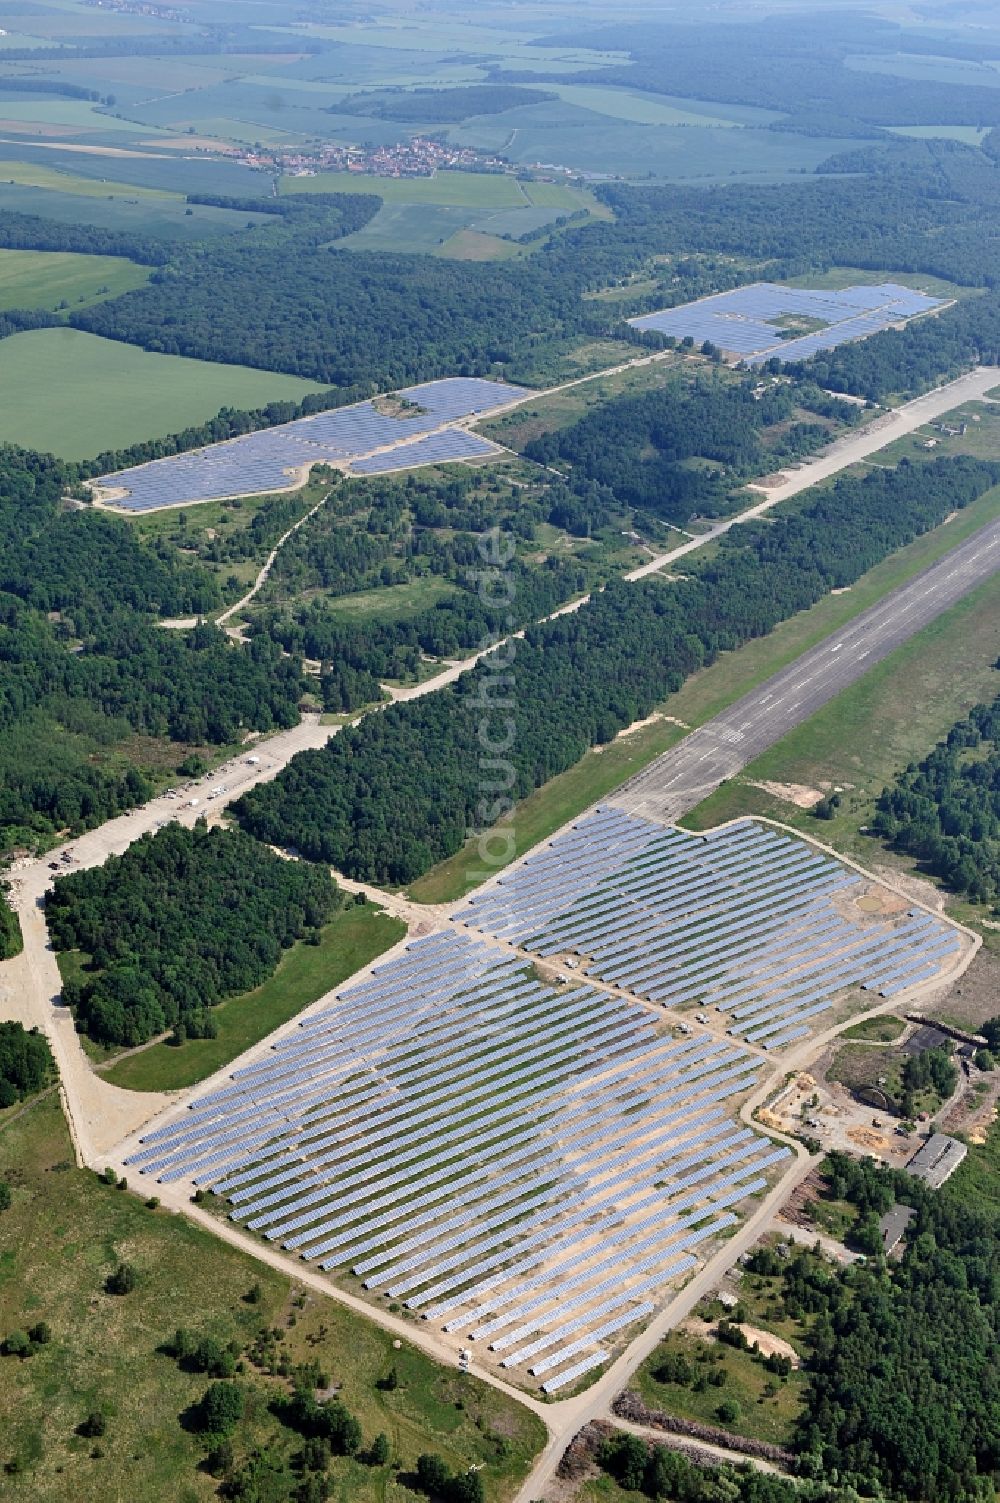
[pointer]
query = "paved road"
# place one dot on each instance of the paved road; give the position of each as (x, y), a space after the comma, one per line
(682, 777)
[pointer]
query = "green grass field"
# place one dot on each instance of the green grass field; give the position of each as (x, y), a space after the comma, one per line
(53, 279)
(476, 190)
(62, 1236)
(598, 773)
(349, 942)
(74, 394)
(39, 175)
(885, 1029)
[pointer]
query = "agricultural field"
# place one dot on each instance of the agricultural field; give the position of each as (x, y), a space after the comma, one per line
(159, 216)
(76, 395)
(58, 180)
(57, 279)
(64, 1234)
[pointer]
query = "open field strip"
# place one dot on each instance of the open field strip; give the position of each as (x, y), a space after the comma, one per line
(75, 394)
(722, 747)
(53, 279)
(37, 175)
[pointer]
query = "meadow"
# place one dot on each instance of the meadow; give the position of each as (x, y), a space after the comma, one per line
(54, 279)
(64, 1233)
(75, 395)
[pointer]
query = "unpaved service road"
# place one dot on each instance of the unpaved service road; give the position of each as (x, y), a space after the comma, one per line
(682, 777)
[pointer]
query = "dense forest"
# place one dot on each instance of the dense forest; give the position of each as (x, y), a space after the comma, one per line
(392, 795)
(945, 810)
(86, 667)
(904, 1379)
(640, 447)
(208, 911)
(26, 1063)
(932, 208)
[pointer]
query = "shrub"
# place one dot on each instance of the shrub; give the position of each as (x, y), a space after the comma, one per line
(122, 1280)
(220, 1410)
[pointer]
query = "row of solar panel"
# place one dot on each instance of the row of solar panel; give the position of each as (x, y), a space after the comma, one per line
(743, 321)
(645, 1125)
(748, 920)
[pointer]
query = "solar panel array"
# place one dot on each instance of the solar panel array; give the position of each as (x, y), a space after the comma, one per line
(266, 461)
(753, 922)
(437, 448)
(528, 1164)
(741, 322)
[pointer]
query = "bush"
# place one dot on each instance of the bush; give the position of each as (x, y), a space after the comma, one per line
(17, 1344)
(378, 1452)
(5, 1195)
(121, 1281)
(220, 1410)
(728, 1411)
(674, 1367)
(93, 1426)
(986, 1060)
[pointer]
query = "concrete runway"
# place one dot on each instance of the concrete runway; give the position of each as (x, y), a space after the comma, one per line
(683, 776)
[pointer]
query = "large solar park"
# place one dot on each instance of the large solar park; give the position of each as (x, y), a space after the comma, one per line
(501, 1128)
(358, 439)
(749, 921)
(747, 322)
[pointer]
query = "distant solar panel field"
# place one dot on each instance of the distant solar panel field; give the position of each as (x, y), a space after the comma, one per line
(760, 322)
(359, 437)
(749, 921)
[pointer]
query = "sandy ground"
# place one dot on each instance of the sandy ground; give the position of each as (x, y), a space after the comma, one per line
(793, 793)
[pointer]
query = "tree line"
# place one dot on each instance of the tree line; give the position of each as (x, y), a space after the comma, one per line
(185, 918)
(903, 1395)
(387, 798)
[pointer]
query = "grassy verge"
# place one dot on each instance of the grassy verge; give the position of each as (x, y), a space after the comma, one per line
(884, 1029)
(349, 942)
(62, 1236)
(966, 627)
(858, 741)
